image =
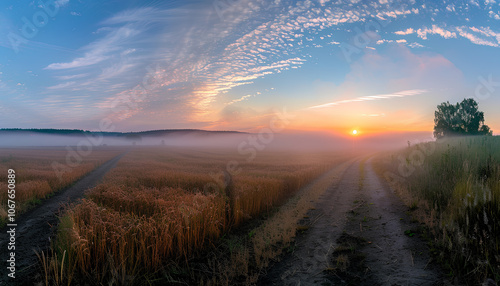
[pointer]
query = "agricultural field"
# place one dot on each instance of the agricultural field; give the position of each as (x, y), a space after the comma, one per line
(41, 172)
(452, 185)
(162, 208)
(208, 216)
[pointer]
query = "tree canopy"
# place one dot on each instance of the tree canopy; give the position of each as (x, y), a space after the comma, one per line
(462, 118)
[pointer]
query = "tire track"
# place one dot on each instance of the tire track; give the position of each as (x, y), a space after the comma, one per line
(361, 221)
(394, 252)
(326, 222)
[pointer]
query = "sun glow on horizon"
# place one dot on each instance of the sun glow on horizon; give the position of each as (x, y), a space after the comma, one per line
(354, 132)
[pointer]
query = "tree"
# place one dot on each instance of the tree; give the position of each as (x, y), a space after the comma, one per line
(463, 118)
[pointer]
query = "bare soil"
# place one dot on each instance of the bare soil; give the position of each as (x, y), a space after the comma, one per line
(36, 228)
(359, 233)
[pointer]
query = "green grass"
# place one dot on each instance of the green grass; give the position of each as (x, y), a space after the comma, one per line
(456, 183)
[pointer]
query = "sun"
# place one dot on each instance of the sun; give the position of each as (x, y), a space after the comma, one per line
(354, 132)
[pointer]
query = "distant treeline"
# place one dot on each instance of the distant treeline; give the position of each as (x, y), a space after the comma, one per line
(150, 133)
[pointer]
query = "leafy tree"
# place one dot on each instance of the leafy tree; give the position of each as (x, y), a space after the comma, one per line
(462, 118)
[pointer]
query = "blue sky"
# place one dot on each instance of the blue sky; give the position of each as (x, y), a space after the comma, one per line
(378, 66)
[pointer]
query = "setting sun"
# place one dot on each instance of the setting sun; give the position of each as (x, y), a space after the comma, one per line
(354, 132)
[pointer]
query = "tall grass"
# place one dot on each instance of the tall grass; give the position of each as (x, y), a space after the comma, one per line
(457, 186)
(152, 210)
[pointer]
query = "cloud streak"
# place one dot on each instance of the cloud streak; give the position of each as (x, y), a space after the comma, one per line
(100, 50)
(403, 93)
(480, 36)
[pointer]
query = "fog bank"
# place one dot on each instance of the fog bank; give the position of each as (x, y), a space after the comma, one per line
(296, 140)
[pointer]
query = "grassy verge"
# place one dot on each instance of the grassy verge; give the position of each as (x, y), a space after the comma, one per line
(453, 186)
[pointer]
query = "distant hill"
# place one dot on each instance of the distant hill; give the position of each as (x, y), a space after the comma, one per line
(149, 133)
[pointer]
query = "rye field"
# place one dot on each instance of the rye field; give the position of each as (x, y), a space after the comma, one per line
(162, 208)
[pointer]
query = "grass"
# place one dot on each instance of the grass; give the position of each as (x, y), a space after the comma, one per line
(152, 218)
(302, 228)
(36, 180)
(453, 186)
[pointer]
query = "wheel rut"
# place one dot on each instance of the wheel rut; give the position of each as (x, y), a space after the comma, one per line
(359, 233)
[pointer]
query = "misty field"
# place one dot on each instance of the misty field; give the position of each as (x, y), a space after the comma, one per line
(161, 208)
(209, 216)
(453, 186)
(37, 179)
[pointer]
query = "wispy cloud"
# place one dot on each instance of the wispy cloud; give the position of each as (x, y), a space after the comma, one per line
(494, 15)
(89, 59)
(68, 77)
(406, 32)
(245, 97)
(422, 33)
(62, 85)
(100, 50)
(400, 41)
(372, 97)
(480, 36)
(476, 39)
(62, 2)
(415, 45)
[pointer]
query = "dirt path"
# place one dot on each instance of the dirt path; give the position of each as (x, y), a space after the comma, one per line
(356, 236)
(35, 227)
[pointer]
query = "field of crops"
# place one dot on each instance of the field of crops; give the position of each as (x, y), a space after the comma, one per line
(164, 206)
(37, 179)
(453, 186)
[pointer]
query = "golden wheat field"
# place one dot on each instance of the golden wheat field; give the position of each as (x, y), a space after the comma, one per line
(37, 178)
(162, 207)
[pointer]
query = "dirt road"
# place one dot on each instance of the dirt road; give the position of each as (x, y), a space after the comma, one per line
(35, 227)
(358, 234)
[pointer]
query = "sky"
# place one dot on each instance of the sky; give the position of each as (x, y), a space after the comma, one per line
(335, 66)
